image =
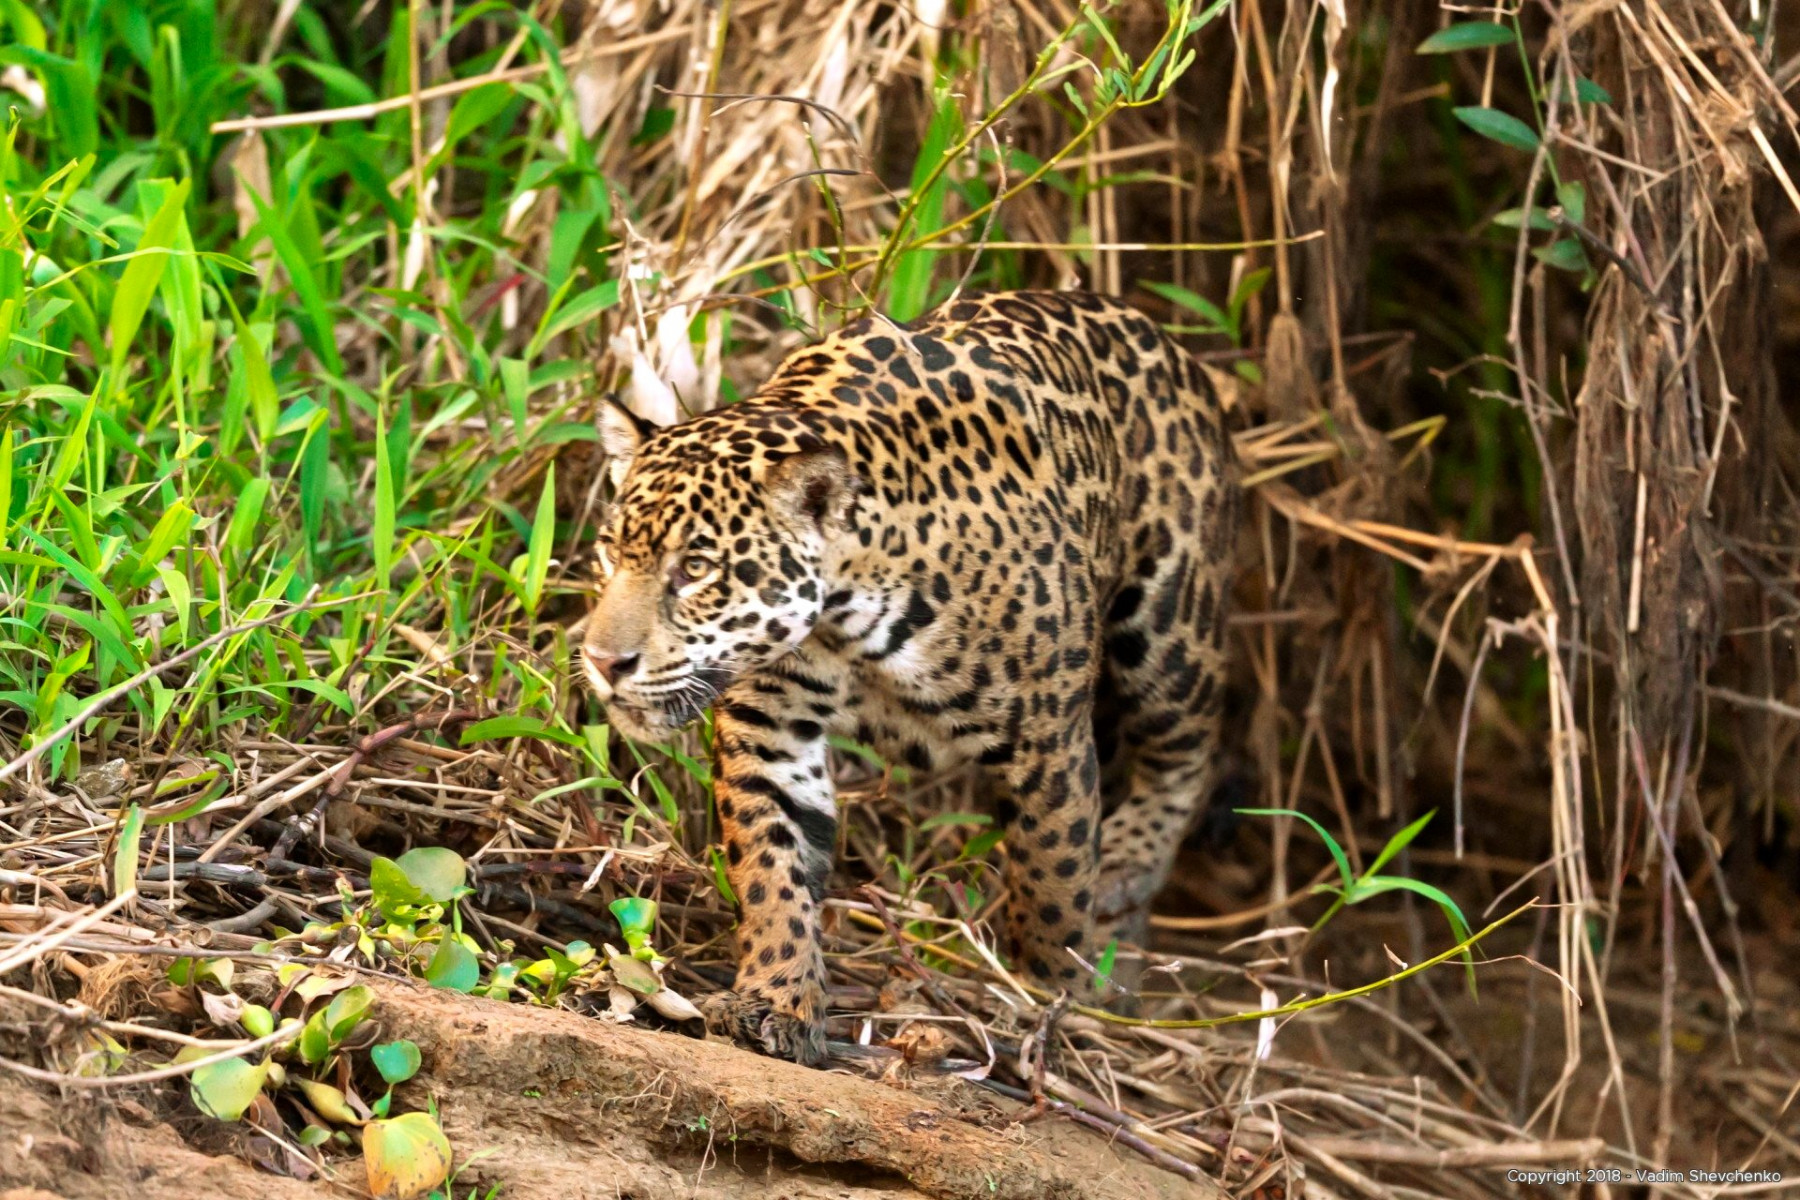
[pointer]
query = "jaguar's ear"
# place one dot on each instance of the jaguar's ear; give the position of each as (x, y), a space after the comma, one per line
(622, 433)
(813, 490)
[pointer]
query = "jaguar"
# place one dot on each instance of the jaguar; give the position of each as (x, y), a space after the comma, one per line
(997, 537)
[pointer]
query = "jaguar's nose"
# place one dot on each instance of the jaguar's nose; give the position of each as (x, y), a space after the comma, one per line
(611, 666)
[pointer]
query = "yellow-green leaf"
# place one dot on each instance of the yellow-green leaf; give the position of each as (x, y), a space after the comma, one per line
(405, 1156)
(327, 1101)
(227, 1089)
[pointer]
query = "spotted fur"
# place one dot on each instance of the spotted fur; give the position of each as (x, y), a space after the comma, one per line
(999, 536)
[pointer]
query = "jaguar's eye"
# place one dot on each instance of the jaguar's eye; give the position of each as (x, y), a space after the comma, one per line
(692, 567)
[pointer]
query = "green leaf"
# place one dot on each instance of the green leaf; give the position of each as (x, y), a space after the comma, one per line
(1399, 842)
(909, 291)
(1194, 302)
(580, 311)
(981, 843)
(226, 1090)
(436, 871)
(543, 533)
(452, 967)
(1589, 92)
(1337, 852)
(1573, 198)
(241, 534)
(1501, 127)
(257, 1020)
(1103, 966)
(955, 818)
(396, 896)
(381, 536)
(1468, 35)
(125, 856)
(509, 727)
(398, 1061)
(142, 273)
(1565, 254)
(1511, 219)
(405, 1156)
(327, 1101)
(347, 1009)
(634, 974)
(721, 879)
(1382, 884)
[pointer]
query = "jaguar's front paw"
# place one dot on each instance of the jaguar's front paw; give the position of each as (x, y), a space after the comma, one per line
(778, 1026)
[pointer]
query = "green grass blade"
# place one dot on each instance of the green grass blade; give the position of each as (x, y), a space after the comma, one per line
(1337, 851)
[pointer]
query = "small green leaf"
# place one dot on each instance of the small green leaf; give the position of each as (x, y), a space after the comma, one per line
(1573, 198)
(1504, 128)
(452, 967)
(315, 1040)
(635, 915)
(125, 857)
(634, 974)
(257, 1020)
(347, 1009)
(398, 1061)
(1192, 301)
(327, 1101)
(226, 1090)
(1512, 218)
(1399, 842)
(436, 871)
(1565, 254)
(314, 1136)
(405, 1156)
(1103, 967)
(1589, 92)
(1468, 35)
(981, 843)
(955, 818)
(496, 728)
(543, 533)
(1337, 852)
(721, 880)
(395, 894)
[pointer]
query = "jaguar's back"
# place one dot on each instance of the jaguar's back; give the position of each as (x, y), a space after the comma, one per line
(999, 535)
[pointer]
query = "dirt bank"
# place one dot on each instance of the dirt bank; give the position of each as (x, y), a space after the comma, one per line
(555, 1106)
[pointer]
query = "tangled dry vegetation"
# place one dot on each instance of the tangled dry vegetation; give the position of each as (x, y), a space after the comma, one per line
(1500, 331)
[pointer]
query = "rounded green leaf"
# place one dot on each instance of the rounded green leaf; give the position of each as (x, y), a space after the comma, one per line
(347, 1009)
(395, 894)
(398, 1061)
(257, 1020)
(315, 1040)
(226, 1090)
(453, 967)
(435, 871)
(405, 1156)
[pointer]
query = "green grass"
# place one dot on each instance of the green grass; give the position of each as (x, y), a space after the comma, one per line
(187, 450)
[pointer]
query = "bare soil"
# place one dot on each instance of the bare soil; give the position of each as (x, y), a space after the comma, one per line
(552, 1105)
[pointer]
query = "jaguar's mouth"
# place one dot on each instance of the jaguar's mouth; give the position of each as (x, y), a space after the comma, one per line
(643, 723)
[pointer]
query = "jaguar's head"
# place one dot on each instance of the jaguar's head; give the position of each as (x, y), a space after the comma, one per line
(711, 558)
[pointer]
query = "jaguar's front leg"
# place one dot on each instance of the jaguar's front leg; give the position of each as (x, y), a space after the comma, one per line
(778, 811)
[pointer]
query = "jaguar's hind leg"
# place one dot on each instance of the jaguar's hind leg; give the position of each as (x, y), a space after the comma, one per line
(1166, 662)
